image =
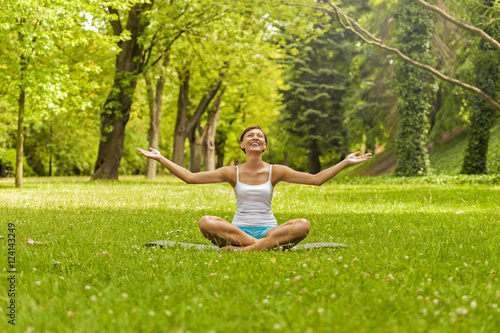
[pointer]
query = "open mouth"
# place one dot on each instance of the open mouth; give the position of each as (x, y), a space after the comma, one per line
(255, 144)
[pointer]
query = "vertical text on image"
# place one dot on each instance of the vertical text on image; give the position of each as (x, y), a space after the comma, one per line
(11, 264)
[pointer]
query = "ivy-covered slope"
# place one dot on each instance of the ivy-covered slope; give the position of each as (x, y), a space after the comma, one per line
(445, 158)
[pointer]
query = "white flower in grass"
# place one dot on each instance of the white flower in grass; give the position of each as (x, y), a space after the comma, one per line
(71, 314)
(304, 265)
(61, 277)
(376, 276)
(265, 300)
(321, 311)
(346, 266)
(151, 313)
(462, 311)
(34, 269)
(390, 277)
(450, 279)
(333, 296)
(473, 304)
(435, 301)
(110, 311)
(87, 287)
(31, 242)
(168, 313)
(464, 297)
(93, 298)
(165, 297)
(276, 284)
(125, 296)
(420, 297)
(424, 312)
(465, 264)
(37, 283)
(494, 306)
(406, 258)
(297, 278)
(339, 259)
(486, 262)
(277, 326)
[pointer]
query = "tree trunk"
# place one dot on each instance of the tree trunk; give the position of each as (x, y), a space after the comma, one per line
(220, 144)
(185, 128)
(20, 127)
(487, 74)
(208, 136)
(180, 133)
(155, 98)
(314, 164)
(116, 109)
(412, 86)
(195, 150)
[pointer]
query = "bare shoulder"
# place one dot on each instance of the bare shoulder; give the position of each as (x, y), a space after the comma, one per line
(279, 171)
(282, 173)
(229, 173)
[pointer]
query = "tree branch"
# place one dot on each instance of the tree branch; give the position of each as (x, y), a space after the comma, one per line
(115, 24)
(372, 40)
(463, 25)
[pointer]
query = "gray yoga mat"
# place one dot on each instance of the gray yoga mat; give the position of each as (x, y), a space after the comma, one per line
(306, 246)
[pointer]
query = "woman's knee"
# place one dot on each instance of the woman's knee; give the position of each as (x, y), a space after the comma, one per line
(205, 222)
(304, 225)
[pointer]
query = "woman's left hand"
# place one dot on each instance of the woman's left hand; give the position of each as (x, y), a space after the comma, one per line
(355, 158)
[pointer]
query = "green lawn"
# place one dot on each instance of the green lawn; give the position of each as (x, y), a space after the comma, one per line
(422, 257)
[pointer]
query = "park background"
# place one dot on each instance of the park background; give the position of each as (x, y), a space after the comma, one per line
(416, 83)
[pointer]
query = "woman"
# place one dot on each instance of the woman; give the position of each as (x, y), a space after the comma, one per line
(254, 226)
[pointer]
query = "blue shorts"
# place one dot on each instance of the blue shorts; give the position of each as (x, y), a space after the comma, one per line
(256, 232)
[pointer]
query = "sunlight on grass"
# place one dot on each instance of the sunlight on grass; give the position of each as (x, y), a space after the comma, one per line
(421, 257)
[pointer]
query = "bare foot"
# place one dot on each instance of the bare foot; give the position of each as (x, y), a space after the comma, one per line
(233, 248)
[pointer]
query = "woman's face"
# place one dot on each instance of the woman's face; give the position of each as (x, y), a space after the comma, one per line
(254, 140)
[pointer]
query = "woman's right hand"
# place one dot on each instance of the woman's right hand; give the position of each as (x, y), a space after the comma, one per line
(152, 153)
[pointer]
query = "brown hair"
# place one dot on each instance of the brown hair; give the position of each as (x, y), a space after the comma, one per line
(248, 129)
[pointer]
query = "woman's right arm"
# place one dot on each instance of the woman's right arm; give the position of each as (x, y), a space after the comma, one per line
(220, 175)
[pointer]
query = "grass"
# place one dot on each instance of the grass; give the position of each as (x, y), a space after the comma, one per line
(422, 257)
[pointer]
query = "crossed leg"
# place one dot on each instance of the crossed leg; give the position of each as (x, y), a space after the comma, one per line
(224, 234)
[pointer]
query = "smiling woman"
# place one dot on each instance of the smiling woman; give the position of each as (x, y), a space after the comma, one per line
(254, 226)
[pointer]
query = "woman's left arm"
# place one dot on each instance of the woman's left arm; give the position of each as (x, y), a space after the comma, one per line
(286, 174)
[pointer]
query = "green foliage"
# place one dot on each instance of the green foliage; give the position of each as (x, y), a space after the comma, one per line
(317, 80)
(414, 28)
(486, 61)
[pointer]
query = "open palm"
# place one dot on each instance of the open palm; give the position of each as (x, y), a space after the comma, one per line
(152, 153)
(355, 158)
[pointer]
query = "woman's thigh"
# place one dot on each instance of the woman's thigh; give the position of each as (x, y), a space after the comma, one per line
(296, 226)
(216, 227)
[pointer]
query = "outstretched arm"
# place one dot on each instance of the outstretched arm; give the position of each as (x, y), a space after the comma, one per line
(220, 175)
(289, 175)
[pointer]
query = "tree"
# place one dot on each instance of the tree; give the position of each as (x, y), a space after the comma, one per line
(486, 60)
(155, 94)
(352, 25)
(37, 36)
(413, 34)
(116, 111)
(313, 105)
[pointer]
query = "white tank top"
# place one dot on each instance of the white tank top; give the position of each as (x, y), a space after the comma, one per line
(253, 203)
